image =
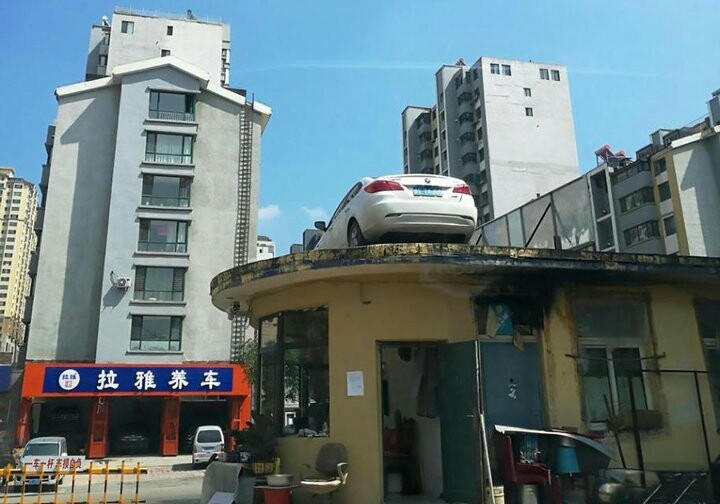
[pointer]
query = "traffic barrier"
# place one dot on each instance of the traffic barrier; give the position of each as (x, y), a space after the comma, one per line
(99, 488)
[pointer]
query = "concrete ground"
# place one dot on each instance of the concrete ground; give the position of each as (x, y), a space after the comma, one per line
(170, 480)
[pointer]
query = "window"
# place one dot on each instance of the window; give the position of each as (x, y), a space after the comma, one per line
(294, 377)
(444, 155)
(612, 337)
(555, 75)
(664, 191)
(660, 166)
(474, 73)
(159, 284)
(642, 232)
(102, 60)
(465, 97)
(527, 91)
(637, 198)
(127, 27)
(166, 191)
(470, 157)
(481, 155)
(169, 30)
(544, 74)
(633, 169)
(506, 70)
(164, 52)
(707, 314)
(155, 333)
(529, 111)
(465, 117)
(169, 149)
(494, 68)
(458, 82)
(468, 136)
(669, 223)
(425, 136)
(162, 236)
(16, 209)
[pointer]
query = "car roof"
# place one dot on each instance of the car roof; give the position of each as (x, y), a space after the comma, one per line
(209, 427)
(48, 439)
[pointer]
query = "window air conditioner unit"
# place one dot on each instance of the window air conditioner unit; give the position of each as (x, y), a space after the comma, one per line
(123, 283)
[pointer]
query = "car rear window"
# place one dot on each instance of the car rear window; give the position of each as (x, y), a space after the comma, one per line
(209, 436)
(42, 449)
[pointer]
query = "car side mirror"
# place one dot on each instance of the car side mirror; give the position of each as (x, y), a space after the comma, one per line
(320, 225)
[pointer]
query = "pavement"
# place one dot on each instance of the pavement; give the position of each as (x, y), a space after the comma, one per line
(170, 480)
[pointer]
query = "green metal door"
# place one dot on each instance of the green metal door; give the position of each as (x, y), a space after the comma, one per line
(458, 425)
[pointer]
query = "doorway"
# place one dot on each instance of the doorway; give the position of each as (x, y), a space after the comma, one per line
(428, 404)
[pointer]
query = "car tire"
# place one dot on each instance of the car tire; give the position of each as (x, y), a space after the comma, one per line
(355, 237)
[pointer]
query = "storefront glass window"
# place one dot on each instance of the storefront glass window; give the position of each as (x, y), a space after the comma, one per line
(294, 381)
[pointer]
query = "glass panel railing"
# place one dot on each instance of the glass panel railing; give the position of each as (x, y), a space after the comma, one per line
(172, 116)
(147, 246)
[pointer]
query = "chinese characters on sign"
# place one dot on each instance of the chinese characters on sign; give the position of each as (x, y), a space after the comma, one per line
(53, 463)
(126, 379)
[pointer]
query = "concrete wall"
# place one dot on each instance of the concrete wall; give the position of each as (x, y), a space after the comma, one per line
(526, 155)
(70, 272)
(698, 180)
(211, 221)
(195, 42)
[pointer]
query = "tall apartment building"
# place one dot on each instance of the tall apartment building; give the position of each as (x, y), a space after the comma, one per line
(503, 126)
(149, 36)
(665, 201)
(265, 248)
(18, 203)
(150, 188)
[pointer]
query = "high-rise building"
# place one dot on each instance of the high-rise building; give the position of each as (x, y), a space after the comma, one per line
(503, 126)
(139, 35)
(664, 201)
(150, 188)
(18, 203)
(265, 248)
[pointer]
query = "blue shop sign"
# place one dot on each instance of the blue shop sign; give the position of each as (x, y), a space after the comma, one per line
(109, 379)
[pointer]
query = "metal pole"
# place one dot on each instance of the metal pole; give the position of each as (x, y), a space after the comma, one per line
(702, 419)
(636, 432)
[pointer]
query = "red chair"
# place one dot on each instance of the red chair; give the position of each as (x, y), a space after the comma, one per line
(516, 473)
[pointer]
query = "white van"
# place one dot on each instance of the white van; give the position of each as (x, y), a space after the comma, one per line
(42, 449)
(208, 443)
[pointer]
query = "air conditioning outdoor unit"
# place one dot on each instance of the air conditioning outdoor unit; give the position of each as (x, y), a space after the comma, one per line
(123, 283)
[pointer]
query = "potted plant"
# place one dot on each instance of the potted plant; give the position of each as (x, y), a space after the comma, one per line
(258, 440)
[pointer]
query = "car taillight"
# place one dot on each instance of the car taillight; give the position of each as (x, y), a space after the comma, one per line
(383, 185)
(462, 189)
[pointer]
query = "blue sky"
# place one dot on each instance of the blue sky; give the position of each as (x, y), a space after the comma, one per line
(338, 74)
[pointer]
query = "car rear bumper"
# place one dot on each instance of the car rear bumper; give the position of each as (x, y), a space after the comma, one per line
(202, 457)
(420, 215)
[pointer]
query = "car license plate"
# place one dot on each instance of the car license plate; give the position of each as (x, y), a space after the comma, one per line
(427, 192)
(209, 450)
(33, 481)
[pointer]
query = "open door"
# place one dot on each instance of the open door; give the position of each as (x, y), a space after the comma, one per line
(459, 430)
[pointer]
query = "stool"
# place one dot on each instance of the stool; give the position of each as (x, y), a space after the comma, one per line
(277, 495)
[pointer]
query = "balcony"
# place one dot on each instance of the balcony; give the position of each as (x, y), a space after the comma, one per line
(39, 219)
(27, 314)
(33, 267)
(45, 177)
(172, 116)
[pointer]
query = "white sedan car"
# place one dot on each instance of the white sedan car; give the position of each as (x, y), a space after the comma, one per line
(401, 208)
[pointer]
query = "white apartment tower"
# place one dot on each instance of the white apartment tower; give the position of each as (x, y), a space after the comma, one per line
(503, 126)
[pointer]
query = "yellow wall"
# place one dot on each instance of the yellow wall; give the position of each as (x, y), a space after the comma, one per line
(363, 314)
(360, 315)
(679, 445)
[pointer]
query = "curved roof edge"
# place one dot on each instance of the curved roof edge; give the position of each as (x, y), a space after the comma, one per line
(241, 283)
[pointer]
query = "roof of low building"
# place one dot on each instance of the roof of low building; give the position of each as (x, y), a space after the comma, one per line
(440, 261)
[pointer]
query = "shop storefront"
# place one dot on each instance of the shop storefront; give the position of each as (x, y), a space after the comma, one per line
(107, 409)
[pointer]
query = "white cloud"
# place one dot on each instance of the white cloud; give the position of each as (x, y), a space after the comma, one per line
(315, 213)
(268, 212)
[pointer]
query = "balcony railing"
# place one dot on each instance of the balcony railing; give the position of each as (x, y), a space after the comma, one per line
(172, 116)
(149, 200)
(159, 295)
(154, 157)
(151, 246)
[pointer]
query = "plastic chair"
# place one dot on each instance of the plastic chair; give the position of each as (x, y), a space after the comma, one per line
(332, 464)
(516, 473)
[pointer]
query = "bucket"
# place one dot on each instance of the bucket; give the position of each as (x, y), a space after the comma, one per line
(277, 496)
(394, 482)
(528, 494)
(498, 492)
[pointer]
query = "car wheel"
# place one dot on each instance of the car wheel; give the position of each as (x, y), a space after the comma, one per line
(355, 237)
